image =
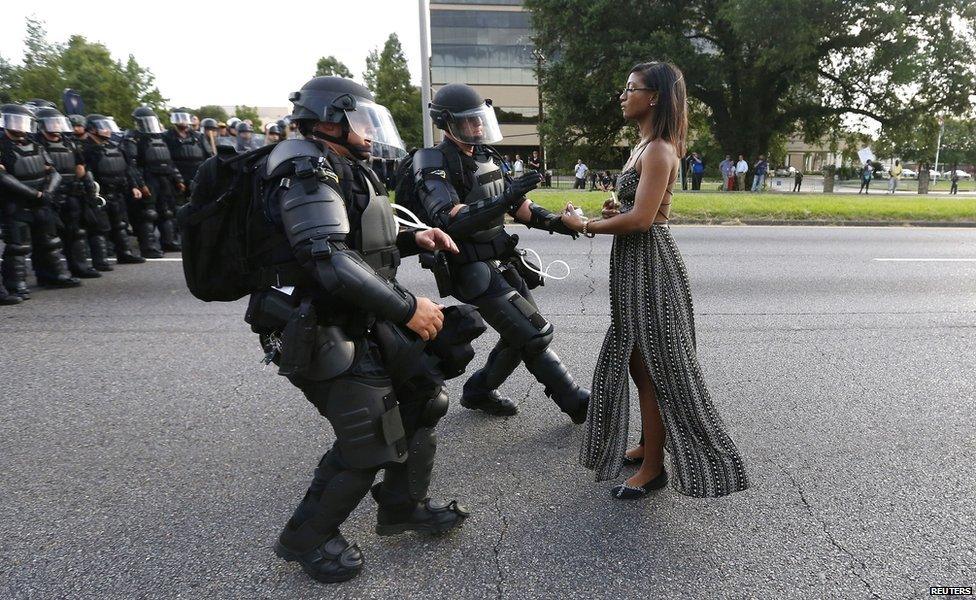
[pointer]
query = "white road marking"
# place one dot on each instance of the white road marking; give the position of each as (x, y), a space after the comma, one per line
(925, 259)
(152, 260)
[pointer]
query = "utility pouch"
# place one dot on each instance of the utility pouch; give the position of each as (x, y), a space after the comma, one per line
(531, 278)
(298, 340)
(437, 263)
(269, 311)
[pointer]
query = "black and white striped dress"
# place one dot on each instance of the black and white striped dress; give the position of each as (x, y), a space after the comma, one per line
(651, 307)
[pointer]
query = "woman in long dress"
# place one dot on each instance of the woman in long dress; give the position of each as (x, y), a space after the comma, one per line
(652, 329)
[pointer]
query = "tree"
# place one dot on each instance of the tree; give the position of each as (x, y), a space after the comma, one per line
(213, 111)
(330, 65)
(243, 112)
(106, 85)
(762, 68)
(388, 77)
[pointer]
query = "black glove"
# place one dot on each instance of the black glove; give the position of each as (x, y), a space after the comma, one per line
(540, 218)
(47, 199)
(518, 188)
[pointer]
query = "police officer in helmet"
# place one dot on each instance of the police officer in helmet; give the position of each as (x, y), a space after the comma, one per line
(117, 179)
(461, 189)
(186, 146)
(76, 192)
(160, 181)
(28, 185)
(366, 362)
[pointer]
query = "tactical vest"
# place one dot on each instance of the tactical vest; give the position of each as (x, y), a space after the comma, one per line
(378, 233)
(28, 164)
(110, 167)
(188, 152)
(63, 157)
(488, 181)
(155, 154)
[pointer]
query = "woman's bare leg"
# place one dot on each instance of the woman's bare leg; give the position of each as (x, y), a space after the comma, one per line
(651, 421)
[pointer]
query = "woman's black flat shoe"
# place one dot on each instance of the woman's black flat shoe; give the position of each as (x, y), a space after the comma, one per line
(625, 492)
(632, 461)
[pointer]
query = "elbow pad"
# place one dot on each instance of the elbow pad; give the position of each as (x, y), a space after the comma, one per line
(434, 190)
(344, 273)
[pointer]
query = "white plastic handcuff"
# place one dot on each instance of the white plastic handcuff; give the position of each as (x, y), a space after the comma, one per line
(418, 224)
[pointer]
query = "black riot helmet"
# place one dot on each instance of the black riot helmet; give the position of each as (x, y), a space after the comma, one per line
(461, 111)
(344, 102)
(146, 120)
(16, 120)
(208, 123)
(50, 120)
(273, 129)
(101, 126)
(40, 103)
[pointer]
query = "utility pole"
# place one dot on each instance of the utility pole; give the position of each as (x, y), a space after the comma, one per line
(538, 87)
(938, 146)
(424, 6)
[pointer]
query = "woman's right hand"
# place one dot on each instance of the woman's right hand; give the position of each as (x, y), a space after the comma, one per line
(610, 208)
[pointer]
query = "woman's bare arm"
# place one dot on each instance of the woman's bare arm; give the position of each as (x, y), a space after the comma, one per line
(656, 167)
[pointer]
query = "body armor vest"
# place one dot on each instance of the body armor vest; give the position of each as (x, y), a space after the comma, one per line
(377, 235)
(28, 164)
(155, 155)
(188, 151)
(110, 166)
(488, 181)
(63, 157)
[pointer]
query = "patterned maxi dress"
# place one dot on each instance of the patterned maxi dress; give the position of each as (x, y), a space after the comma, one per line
(651, 308)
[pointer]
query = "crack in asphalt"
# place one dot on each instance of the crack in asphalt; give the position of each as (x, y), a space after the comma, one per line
(589, 278)
(854, 560)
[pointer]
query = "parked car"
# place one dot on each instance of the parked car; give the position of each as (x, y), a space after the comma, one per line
(962, 174)
(909, 174)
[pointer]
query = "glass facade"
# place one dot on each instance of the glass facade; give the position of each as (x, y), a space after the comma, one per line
(491, 2)
(481, 47)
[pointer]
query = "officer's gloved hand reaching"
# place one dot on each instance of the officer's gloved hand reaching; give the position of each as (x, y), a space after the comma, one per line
(519, 187)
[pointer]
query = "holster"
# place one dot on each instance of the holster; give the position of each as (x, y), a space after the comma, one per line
(298, 340)
(437, 263)
(401, 349)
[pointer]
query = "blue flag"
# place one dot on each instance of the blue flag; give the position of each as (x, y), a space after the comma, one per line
(73, 104)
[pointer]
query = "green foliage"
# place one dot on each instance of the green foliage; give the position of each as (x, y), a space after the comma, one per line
(763, 68)
(107, 86)
(243, 112)
(719, 207)
(330, 65)
(213, 111)
(388, 77)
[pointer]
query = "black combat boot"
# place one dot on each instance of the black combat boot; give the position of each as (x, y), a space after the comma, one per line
(477, 396)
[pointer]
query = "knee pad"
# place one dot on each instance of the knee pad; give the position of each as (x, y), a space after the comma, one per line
(435, 409)
(48, 243)
(538, 344)
(18, 249)
(150, 215)
(366, 419)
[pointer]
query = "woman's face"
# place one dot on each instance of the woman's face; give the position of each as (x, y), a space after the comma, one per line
(635, 101)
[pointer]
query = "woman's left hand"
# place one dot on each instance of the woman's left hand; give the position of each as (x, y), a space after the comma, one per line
(571, 219)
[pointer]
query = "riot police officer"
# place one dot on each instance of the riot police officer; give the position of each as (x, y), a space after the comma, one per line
(461, 188)
(273, 134)
(27, 185)
(116, 179)
(354, 343)
(77, 128)
(160, 182)
(245, 138)
(186, 146)
(75, 193)
(210, 133)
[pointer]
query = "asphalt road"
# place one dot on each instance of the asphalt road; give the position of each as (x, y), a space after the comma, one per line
(145, 452)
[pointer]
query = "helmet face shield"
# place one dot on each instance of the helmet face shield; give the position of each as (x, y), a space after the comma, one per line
(18, 123)
(55, 125)
(149, 124)
(374, 123)
(475, 126)
(109, 125)
(180, 118)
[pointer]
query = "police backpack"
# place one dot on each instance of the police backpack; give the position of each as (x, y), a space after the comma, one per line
(215, 227)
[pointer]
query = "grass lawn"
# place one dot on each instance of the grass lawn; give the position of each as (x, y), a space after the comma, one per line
(723, 207)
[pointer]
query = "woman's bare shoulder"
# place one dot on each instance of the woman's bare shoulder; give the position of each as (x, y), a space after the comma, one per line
(658, 154)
